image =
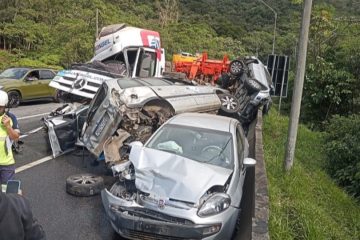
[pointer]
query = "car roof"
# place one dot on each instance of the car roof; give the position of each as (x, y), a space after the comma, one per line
(203, 120)
(31, 68)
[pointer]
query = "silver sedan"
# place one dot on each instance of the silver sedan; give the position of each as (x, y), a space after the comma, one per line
(186, 182)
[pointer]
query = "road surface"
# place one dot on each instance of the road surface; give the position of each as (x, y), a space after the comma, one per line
(62, 216)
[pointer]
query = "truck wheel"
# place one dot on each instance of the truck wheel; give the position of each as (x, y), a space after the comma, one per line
(14, 99)
(229, 104)
(84, 185)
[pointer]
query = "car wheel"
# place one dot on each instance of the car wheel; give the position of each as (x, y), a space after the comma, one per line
(252, 85)
(229, 104)
(236, 67)
(84, 185)
(14, 99)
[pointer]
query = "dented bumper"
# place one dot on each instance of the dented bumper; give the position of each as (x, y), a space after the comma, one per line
(134, 221)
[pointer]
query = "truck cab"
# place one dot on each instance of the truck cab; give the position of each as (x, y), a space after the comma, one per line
(119, 51)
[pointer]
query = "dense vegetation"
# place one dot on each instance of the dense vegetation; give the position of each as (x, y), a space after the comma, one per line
(58, 33)
(343, 152)
(305, 203)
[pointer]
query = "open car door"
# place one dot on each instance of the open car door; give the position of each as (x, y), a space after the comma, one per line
(64, 130)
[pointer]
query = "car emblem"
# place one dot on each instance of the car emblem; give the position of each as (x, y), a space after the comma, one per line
(161, 203)
(79, 83)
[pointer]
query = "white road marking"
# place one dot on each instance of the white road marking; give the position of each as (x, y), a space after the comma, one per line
(33, 164)
(32, 116)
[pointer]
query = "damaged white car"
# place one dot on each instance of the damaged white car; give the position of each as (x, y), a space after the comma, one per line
(133, 108)
(186, 182)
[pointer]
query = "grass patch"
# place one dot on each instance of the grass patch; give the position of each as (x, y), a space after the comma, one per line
(305, 203)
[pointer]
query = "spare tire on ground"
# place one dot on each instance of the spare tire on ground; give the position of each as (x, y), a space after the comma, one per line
(84, 185)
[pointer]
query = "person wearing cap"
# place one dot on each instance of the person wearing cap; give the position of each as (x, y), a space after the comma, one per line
(9, 132)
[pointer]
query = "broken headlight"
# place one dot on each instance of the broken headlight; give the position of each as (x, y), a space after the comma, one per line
(215, 204)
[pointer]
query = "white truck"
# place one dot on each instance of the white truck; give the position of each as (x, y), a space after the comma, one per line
(120, 50)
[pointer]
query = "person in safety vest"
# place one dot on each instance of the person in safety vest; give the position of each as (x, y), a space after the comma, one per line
(9, 132)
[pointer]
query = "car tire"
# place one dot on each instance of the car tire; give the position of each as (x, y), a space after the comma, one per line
(252, 85)
(14, 99)
(229, 104)
(84, 185)
(236, 67)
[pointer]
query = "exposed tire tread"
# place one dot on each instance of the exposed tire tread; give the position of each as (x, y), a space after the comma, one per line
(84, 190)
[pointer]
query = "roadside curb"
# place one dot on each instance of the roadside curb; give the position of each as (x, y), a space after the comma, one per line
(260, 229)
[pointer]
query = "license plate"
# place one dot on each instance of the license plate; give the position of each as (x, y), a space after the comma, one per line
(151, 228)
(101, 126)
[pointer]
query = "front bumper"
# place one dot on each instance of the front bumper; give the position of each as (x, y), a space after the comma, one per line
(137, 222)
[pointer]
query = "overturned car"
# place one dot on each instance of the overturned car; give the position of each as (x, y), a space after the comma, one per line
(249, 83)
(186, 182)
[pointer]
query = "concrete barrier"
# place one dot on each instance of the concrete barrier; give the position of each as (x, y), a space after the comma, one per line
(260, 229)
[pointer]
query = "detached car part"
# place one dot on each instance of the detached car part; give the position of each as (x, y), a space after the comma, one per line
(84, 185)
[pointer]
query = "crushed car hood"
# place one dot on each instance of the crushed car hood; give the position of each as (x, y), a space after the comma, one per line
(169, 176)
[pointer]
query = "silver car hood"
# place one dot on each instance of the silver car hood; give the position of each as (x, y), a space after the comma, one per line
(169, 176)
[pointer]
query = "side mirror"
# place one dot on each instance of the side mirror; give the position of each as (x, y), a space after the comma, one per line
(134, 149)
(249, 162)
(136, 143)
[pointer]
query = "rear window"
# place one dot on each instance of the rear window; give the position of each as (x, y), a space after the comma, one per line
(46, 74)
(155, 82)
(129, 83)
(139, 82)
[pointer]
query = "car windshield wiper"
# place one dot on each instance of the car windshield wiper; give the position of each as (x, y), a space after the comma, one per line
(222, 150)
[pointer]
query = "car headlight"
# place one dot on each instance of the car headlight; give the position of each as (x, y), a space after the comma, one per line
(214, 205)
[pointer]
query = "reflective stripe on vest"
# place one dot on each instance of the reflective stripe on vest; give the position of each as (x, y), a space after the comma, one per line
(6, 156)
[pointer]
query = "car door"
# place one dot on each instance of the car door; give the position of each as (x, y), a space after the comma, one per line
(45, 78)
(64, 130)
(179, 96)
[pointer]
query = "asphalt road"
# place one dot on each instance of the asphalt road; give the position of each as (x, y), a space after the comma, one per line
(62, 216)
